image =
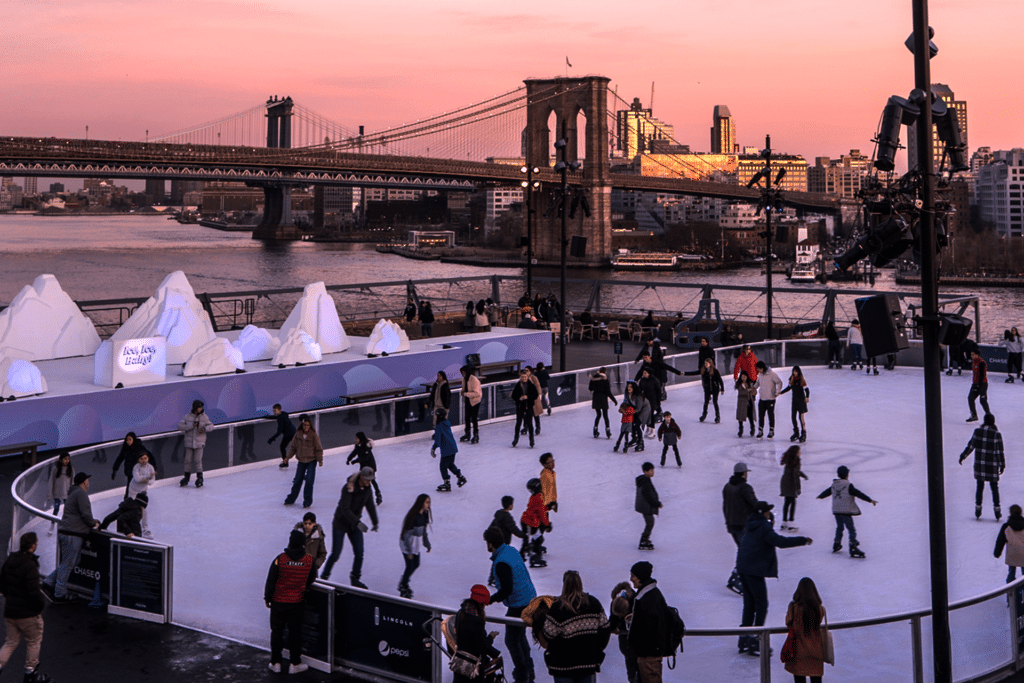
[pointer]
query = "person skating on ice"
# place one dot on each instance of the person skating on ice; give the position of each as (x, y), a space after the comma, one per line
(711, 382)
(738, 501)
(362, 456)
(514, 589)
(535, 522)
(628, 412)
(989, 462)
(1011, 536)
(472, 394)
(289, 577)
(669, 434)
(801, 397)
(194, 427)
(549, 482)
(524, 394)
(285, 429)
(641, 415)
(1014, 353)
(309, 454)
(647, 504)
(844, 507)
(445, 440)
(356, 494)
(745, 362)
(746, 392)
(769, 386)
(789, 486)
(412, 537)
(855, 340)
(979, 385)
(601, 392)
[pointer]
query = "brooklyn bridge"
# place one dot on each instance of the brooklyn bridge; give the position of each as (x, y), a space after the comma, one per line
(279, 145)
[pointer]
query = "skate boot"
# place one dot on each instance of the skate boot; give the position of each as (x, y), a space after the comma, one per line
(475, 439)
(461, 481)
(615, 448)
(404, 590)
(836, 547)
(702, 417)
(853, 367)
(876, 370)
(608, 433)
(718, 419)
(536, 562)
(868, 371)
(839, 366)
(354, 580)
(597, 433)
(857, 553)
(36, 677)
(199, 480)
(999, 513)
(751, 429)
(760, 433)
(949, 372)
(977, 512)
(645, 544)
(740, 435)
(796, 435)
(771, 433)
(734, 583)
(464, 438)
(1009, 380)
(185, 479)
(803, 435)
(445, 486)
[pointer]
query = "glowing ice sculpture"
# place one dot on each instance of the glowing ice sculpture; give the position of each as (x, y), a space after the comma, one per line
(316, 315)
(256, 343)
(20, 378)
(43, 323)
(387, 337)
(217, 357)
(175, 313)
(297, 348)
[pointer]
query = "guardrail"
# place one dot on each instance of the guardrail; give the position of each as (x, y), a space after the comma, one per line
(990, 625)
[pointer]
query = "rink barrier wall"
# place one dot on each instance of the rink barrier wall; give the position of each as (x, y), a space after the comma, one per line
(242, 443)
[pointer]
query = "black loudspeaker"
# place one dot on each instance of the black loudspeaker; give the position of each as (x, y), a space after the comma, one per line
(954, 329)
(578, 246)
(882, 323)
(524, 241)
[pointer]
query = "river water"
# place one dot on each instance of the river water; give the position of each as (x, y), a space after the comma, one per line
(111, 257)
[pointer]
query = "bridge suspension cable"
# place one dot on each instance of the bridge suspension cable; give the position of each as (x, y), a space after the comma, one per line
(246, 129)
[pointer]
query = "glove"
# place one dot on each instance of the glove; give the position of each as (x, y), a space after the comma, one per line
(547, 529)
(433, 453)
(113, 475)
(380, 499)
(553, 506)
(375, 527)
(362, 527)
(271, 439)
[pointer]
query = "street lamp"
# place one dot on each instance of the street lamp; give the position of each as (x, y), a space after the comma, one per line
(563, 167)
(529, 185)
(771, 199)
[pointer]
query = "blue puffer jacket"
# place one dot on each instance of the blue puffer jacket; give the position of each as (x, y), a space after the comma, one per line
(444, 440)
(756, 555)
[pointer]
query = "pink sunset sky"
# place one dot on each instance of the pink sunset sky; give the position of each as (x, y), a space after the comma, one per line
(814, 74)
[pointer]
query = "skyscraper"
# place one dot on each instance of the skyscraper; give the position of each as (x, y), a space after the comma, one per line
(637, 128)
(938, 148)
(31, 185)
(723, 132)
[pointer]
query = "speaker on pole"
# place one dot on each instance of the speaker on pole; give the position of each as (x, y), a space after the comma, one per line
(883, 324)
(954, 329)
(578, 246)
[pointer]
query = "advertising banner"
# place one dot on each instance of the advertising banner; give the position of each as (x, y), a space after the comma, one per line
(380, 635)
(139, 579)
(562, 390)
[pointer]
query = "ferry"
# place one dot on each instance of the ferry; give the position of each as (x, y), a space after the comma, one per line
(626, 260)
(803, 272)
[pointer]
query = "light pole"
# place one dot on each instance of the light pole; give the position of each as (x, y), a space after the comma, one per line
(563, 167)
(771, 199)
(529, 185)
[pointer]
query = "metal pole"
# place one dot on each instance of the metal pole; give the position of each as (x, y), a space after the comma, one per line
(565, 224)
(529, 230)
(768, 234)
(941, 651)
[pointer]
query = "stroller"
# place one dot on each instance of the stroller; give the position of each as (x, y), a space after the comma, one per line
(492, 671)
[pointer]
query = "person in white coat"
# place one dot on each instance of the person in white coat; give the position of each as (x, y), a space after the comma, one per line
(768, 386)
(855, 340)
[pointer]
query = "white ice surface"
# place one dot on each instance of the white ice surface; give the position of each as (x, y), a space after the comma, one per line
(226, 534)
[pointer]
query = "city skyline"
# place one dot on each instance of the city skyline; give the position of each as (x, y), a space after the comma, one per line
(813, 75)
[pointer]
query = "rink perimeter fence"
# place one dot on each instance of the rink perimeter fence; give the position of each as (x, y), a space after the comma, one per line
(380, 636)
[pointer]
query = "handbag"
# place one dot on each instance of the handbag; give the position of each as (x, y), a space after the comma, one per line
(788, 648)
(464, 664)
(828, 653)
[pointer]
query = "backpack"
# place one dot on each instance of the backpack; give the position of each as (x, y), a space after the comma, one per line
(676, 631)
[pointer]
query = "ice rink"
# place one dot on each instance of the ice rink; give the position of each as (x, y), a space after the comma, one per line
(226, 534)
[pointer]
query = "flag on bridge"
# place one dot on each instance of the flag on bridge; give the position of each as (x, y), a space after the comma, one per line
(567, 63)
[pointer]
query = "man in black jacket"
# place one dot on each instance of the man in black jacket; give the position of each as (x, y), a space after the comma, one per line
(524, 395)
(23, 609)
(286, 430)
(128, 515)
(355, 495)
(649, 626)
(647, 504)
(738, 501)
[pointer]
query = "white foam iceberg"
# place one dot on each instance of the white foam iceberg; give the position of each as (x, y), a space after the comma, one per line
(316, 315)
(175, 313)
(298, 347)
(217, 357)
(256, 343)
(20, 378)
(387, 337)
(43, 323)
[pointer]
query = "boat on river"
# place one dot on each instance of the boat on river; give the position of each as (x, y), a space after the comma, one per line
(627, 260)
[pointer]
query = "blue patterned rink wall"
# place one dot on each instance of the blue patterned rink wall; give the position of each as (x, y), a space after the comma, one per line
(76, 412)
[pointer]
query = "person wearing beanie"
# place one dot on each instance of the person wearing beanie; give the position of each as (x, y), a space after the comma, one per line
(619, 618)
(647, 503)
(289, 577)
(143, 474)
(23, 606)
(738, 501)
(466, 631)
(128, 516)
(362, 455)
(515, 590)
(844, 507)
(355, 495)
(768, 386)
(648, 629)
(755, 561)
(75, 525)
(989, 462)
(1011, 536)
(194, 426)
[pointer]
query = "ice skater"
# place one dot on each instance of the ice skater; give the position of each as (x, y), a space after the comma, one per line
(60, 483)
(979, 385)
(711, 382)
(747, 362)
(801, 397)
(1014, 352)
(789, 486)
(143, 475)
(844, 507)
(989, 462)
(131, 449)
(669, 434)
(412, 537)
(362, 455)
(285, 429)
(600, 393)
(768, 386)
(445, 440)
(746, 392)
(628, 412)
(544, 377)
(835, 347)
(535, 522)
(524, 394)
(549, 482)
(356, 494)
(642, 414)
(855, 340)
(538, 406)
(647, 504)
(194, 427)
(472, 393)
(1011, 536)
(309, 454)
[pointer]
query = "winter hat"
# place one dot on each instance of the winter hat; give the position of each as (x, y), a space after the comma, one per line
(843, 471)
(196, 404)
(739, 468)
(296, 540)
(80, 477)
(763, 506)
(480, 594)
(367, 473)
(760, 365)
(142, 499)
(642, 571)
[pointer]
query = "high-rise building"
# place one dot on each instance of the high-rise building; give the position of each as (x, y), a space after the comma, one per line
(998, 192)
(723, 132)
(155, 190)
(795, 179)
(844, 176)
(938, 147)
(637, 127)
(31, 185)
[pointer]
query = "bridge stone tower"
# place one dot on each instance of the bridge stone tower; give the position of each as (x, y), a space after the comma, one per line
(277, 221)
(567, 98)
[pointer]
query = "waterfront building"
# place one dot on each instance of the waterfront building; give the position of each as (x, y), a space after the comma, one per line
(843, 177)
(335, 207)
(31, 186)
(690, 166)
(795, 179)
(636, 128)
(498, 200)
(220, 198)
(56, 188)
(938, 148)
(998, 192)
(155, 190)
(723, 131)
(187, 192)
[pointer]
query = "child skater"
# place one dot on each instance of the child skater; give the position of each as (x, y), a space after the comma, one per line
(445, 440)
(789, 486)
(143, 474)
(362, 453)
(844, 507)
(745, 393)
(628, 412)
(535, 523)
(1011, 536)
(414, 535)
(669, 433)
(60, 482)
(801, 396)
